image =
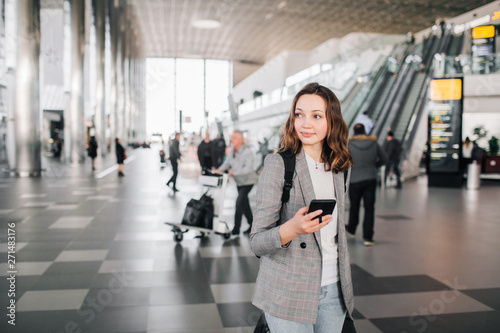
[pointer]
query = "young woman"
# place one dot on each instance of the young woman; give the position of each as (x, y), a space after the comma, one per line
(304, 282)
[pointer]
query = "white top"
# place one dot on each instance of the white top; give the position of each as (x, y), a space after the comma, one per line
(324, 189)
(467, 151)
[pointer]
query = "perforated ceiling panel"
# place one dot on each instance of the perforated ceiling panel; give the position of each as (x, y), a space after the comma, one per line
(254, 31)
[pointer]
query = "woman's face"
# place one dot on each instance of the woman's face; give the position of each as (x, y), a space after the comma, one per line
(310, 120)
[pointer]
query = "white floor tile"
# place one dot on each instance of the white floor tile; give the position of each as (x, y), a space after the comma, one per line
(32, 195)
(139, 265)
(37, 204)
(82, 255)
(62, 207)
(50, 300)
(72, 222)
(232, 292)
(184, 317)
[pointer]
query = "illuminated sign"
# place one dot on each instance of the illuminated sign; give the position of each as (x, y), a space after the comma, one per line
(445, 130)
(483, 32)
(496, 16)
(446, 90)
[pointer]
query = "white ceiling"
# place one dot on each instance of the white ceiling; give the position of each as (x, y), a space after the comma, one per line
(254, 31)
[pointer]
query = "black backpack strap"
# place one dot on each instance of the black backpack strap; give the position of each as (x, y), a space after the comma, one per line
(289, 161)
(346, 174)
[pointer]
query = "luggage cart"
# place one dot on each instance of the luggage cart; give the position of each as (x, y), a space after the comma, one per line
(220, 227)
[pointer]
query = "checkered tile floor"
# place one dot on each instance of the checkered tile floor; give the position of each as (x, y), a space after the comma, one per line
(94, 255)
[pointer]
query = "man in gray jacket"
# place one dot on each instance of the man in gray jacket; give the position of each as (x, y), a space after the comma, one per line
(367, 156)
(240, 162)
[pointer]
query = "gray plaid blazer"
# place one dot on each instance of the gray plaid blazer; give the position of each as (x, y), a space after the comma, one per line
(289, 282)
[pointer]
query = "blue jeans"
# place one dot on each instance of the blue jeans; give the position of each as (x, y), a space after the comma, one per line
(331, 315)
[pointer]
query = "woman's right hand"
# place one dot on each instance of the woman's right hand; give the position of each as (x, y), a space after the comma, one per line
(302, 223)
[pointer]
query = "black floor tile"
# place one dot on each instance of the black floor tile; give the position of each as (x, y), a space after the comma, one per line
(43, 322)
(59, 236)
(231, 270)
(64, 281)
(149, 279)
(357, 315)
(95, 236)
(196, 293)
(366, 284)
(89, 206)
(130, 250)
(84, 267)
(489, 297)
(88, 245)
(484, 322)
(239, 314)
(119, 296)
(115, 319)
(394, 217)
(27, 256)
(22, 282)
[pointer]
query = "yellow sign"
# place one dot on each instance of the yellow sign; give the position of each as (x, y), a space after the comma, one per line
(448, 89)
(496, 15)
(487, 31)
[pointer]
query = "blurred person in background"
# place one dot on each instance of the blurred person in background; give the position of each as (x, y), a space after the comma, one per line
(175, 156)
(205, 154)
(367, 157)
(240, 162)
(120, 156)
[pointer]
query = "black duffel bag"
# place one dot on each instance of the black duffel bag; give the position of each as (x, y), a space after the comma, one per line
(199, 213)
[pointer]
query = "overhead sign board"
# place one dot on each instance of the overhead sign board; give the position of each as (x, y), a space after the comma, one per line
(446, 90)
(487, 31)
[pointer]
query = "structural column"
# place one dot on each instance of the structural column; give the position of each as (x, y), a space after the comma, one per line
(113, 27)
(27, 96)
(120, 76)
(99, 7)
(77, 120)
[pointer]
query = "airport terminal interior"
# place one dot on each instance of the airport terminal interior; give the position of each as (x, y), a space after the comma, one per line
(84, 248)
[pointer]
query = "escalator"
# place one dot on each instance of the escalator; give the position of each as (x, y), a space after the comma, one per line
(407, 91)
(402, 124)
(354, 106)
(405, 106)
(370, 93)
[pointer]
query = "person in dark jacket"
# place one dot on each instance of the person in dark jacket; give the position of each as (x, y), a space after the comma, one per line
(392, 148)
(205, 154)
(367, 156)
(218, 150)
(92, 150)
(175, 155)
(120, 156)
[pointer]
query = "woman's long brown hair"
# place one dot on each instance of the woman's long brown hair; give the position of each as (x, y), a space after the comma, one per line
(334, 154)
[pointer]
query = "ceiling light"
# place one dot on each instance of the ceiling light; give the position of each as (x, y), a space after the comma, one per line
(206, 24)
(282, 4)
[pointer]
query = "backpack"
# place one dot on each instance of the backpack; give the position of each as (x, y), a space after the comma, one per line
(289, 161)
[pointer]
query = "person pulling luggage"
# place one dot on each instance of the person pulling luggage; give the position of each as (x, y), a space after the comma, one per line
(239, 162)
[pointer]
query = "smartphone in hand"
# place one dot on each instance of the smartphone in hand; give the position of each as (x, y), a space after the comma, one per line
(326, 205)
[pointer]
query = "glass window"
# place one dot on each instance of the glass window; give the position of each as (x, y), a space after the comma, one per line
(217, 87)
(160, 101)
(191, 85)
(189, 93)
